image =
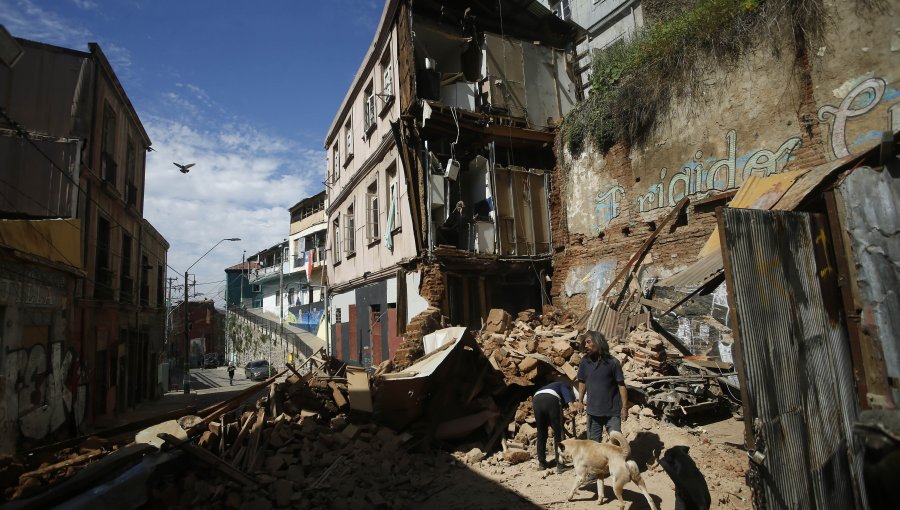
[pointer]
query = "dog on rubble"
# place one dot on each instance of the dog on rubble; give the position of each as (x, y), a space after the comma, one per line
(603, 460)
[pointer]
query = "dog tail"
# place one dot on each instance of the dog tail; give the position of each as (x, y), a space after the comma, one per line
(617, 437)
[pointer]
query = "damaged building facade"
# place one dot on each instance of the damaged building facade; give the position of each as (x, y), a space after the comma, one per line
(732, 223)
(82, 302)
(439, 169)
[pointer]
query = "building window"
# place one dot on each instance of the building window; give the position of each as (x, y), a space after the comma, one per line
(336, 240)
(108, 168)
(372, 230)
(393, 203)
(348, 138)
(291, 296)
(126, 283)
(130, 173)
(562, 10)
(349, 234)
(387, 78)
(160, 275)
(369, 109)
(335, 163)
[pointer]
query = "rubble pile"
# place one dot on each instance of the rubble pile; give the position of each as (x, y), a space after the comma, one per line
(642, 353)
(304, 454)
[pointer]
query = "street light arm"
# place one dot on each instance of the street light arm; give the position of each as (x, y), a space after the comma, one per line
(211, 249)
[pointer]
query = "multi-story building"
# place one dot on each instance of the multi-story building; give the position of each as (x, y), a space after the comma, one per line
(306, 246)
(206, 333)
(437, 169)
(72, 147)
(605, 22)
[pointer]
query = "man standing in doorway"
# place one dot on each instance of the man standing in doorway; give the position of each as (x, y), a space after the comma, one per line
(601, 381)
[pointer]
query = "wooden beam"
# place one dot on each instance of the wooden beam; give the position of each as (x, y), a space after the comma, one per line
(209, 459)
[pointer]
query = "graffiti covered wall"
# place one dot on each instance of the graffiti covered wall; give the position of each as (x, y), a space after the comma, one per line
(761, 117)
(42, 385)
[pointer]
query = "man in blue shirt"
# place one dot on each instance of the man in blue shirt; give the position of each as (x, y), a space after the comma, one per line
(601, 380)
(548, 403)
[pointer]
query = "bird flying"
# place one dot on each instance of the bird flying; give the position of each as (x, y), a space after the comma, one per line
(184, 168)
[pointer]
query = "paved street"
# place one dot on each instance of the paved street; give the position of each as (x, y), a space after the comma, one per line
(208, 386)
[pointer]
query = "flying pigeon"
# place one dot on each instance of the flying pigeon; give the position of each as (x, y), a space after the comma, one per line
(184, 168)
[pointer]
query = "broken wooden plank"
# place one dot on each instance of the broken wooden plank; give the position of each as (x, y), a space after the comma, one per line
(254, 439)
(210, 460)
(245, 429)
(358, 389)
(64, 464)
(339, 398)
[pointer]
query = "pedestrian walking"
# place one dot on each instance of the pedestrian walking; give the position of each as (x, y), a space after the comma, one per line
(231, 373)
(602, 383)
(549, 403)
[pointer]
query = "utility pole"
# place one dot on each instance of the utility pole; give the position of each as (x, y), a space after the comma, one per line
(187, 362)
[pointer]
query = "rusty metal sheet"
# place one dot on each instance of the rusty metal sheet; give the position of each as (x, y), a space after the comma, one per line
(794, 363)
(868, 199)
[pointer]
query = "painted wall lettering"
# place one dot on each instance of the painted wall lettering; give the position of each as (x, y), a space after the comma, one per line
(705, 175)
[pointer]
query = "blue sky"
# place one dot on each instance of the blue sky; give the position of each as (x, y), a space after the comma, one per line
(246, 90)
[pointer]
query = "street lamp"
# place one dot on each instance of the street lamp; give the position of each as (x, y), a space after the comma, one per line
(187, 363)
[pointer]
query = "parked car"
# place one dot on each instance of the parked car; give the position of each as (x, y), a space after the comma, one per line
(210, 360)
(259, 369)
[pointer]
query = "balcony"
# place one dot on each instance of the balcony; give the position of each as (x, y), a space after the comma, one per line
(103, 284)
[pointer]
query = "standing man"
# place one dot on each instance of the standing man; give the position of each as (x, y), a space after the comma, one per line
(231, 374)
(601, 380)
(548, 404)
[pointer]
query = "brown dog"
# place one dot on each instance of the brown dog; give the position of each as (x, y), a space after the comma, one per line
(604, 459)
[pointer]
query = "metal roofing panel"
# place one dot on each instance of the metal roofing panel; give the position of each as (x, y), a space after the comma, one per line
(871, 200)
(697, 274)
(794, 363)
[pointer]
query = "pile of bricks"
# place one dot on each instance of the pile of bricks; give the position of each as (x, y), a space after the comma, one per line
(642, 353)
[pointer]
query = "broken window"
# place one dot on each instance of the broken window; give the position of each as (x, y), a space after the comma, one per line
(349, 234)
(348, 135)
(372, 213)
(336, 239)
(369, 109)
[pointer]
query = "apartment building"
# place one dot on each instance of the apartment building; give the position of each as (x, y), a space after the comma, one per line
(438, 169)
(306, 252)
(73, 151)
(605, 22)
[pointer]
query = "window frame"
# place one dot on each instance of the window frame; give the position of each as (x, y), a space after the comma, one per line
(350, 231)
(348, 141)
(336, 239)
(373, 227)
(370, 115)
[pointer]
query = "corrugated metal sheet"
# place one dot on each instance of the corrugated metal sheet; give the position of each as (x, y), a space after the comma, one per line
(793, 361)
(611, 323)
(697, 274)
(871, 217)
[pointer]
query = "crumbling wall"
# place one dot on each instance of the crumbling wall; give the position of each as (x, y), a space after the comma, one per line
(761, 116)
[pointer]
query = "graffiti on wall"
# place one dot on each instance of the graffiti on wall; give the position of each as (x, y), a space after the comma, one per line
(705, 175)
(39, 395)
(591, 280)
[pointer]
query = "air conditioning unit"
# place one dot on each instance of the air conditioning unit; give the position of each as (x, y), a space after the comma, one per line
(452, 170)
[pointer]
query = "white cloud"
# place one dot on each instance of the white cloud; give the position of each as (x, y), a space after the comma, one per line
(88, 5)
(25, 19)
(243, 182)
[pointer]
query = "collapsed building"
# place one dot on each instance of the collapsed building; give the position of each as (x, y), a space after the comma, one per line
(439, 163)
